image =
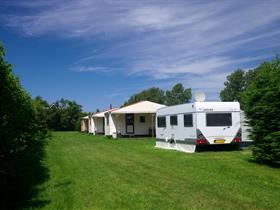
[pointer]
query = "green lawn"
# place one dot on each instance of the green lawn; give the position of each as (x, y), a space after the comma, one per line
(89, 172)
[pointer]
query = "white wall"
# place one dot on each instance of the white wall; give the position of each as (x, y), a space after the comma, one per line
(84, 125)
(106, 126)
(110, 127)
(91, 126)
(98, 122)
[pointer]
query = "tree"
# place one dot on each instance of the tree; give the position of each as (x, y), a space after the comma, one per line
(21, 135)
(153, 94)
(237, 82)
(41, 107)
(63, 115)
(234, 86)
(178, 95)
(262, 105)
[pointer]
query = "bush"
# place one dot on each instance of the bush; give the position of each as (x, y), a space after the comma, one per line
(63, 115)
(262, 107)
(20, 131)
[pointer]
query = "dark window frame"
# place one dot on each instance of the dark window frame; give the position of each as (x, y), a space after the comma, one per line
(174, 120)
(161, 124)
(191, 120)
(218, 123)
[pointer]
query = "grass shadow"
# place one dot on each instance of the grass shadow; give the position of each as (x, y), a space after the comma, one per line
(27, 173)
(264, 163)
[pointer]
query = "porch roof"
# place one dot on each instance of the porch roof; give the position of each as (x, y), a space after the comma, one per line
(140, 107)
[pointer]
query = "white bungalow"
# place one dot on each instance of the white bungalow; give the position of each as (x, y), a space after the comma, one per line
(133, 120)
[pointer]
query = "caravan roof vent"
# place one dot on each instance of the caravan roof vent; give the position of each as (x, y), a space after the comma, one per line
(200, 97)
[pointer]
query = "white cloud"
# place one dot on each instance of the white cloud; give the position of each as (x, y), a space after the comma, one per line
(149, 16)
(97, 69)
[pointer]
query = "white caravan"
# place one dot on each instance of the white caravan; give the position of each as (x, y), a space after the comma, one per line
(189, 126)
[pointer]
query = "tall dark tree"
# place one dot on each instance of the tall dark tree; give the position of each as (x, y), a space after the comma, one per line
(262, 107)
(178, 95)
(234, 86)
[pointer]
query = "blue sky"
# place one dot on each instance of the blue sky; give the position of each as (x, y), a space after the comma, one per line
(101, 52)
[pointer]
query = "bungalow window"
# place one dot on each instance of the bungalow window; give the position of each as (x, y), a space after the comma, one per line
(173, 120)
(142, 119)
(188, 120)
(161, 122)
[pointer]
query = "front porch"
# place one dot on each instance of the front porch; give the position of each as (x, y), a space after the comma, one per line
(134, 125)
(99, 125)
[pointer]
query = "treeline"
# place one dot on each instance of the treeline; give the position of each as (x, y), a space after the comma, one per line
(177, 95)
(62, 115)
(258, 92)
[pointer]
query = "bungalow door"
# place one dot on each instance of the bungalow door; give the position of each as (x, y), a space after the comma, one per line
(129, 123)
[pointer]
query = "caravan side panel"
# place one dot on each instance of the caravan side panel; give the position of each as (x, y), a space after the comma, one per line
(177, 134)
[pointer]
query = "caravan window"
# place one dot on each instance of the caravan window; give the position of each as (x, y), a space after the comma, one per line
(161, 122)
(173, 120)
(218, 119)
(188, 120)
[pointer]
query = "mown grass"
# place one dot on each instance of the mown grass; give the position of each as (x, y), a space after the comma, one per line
(89, 172)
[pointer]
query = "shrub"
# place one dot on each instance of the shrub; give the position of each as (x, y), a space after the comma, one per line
(262, 107)
(20, 130)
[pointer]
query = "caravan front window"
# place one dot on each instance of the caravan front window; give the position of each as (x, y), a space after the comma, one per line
(161, 122)
(218, 119)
